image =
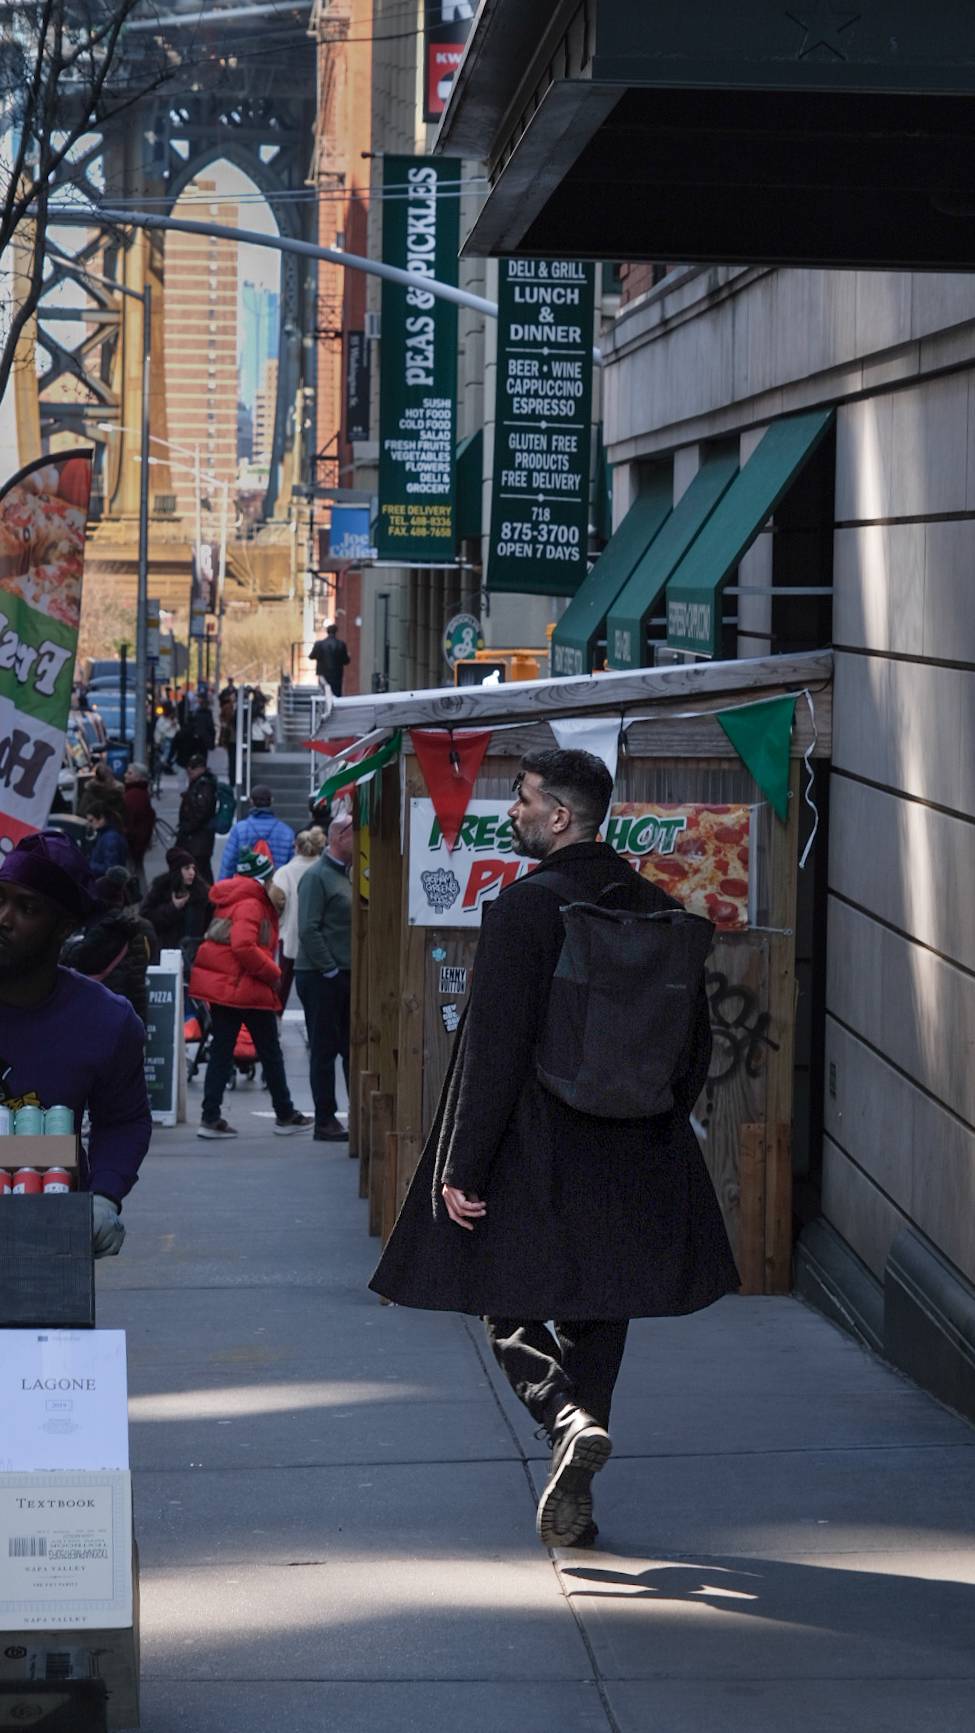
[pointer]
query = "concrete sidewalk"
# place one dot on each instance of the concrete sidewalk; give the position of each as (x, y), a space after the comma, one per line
(335, 1499)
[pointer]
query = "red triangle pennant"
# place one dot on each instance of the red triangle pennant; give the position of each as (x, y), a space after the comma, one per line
(450, 760)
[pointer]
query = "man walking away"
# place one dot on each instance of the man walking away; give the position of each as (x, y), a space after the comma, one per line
(197, 812)
(540, 1210)
(323, 971)
(331, 658)
(260, 825)
(236, 972)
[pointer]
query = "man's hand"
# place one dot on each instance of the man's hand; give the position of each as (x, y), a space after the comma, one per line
(463, 1207)
(107, 1232)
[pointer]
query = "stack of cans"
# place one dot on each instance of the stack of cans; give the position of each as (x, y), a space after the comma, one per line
(35, 1122)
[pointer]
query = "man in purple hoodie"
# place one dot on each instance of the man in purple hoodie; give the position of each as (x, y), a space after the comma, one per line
(64, 1040)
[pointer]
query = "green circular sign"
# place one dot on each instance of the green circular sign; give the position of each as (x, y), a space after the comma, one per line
(462, 637)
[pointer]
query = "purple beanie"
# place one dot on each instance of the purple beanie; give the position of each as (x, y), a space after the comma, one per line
(52, 864)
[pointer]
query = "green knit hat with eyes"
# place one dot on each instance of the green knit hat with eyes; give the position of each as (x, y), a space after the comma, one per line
(254, 864)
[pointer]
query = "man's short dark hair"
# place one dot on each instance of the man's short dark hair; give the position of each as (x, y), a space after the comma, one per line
(197, 762)
(580, 779)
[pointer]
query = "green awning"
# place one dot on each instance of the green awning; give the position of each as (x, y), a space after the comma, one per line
(582, 625)
(694, 591)
(627, 623)
(470, 485)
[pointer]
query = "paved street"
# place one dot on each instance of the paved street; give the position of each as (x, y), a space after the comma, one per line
(335, 1499)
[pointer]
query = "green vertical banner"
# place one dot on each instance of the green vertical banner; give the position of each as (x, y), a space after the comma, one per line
(418, 376)
(543, 427)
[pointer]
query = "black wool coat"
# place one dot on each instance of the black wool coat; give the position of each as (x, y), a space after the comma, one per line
(586, 1217)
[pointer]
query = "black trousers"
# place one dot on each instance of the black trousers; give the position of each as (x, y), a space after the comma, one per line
(326, 1001)
(263, 1029)
(579, 1364)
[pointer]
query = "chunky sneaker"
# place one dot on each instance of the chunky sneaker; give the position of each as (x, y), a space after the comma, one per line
(295, 1122)
(580, 1447)
(330, 1131)
(216, 1128)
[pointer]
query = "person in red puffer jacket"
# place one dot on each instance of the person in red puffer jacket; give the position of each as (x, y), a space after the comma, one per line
(236, 972)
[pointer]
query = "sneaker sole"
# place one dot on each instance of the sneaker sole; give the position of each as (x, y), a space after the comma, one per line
(565, 1507)
(215, 1134)
(290, 1130)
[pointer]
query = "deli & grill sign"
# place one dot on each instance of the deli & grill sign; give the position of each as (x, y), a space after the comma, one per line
(418, 371)
(540, 488)
(701, 854)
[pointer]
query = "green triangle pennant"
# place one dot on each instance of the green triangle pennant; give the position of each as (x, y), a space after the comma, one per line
(761, 735)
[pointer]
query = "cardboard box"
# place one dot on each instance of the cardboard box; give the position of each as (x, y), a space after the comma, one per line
(47, 1272)
(64, 1401)
(60, 1149)
(69, 1597)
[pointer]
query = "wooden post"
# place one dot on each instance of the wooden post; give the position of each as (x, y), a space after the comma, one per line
(783, 877)
(359, 1009)
(380, 1125)
(368, 1084)
(750, 1255)
(409, 1091)
(390, 1187)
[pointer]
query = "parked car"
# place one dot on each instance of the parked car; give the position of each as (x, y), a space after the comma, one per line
(107, 705)
(104, 673)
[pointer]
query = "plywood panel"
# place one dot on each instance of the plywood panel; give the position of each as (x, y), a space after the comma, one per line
(449, 958)
(734, 1095)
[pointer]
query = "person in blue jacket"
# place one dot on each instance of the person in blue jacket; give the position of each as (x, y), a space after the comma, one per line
(109, 847)
(259, 825)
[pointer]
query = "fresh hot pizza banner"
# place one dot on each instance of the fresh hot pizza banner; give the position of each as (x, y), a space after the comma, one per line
(701, 854)
(43, 517)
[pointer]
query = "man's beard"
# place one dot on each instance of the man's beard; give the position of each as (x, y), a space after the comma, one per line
(530, 843)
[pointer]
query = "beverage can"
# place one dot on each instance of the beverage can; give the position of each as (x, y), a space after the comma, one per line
(56, 1179)
(59, 1121)
(6, 1183)
(27, 1182)
(6, 1122)
(29, 1121)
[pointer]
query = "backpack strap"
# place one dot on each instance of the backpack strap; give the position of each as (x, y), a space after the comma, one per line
(564, 886)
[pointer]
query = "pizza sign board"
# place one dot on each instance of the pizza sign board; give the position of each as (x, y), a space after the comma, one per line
(701, 854)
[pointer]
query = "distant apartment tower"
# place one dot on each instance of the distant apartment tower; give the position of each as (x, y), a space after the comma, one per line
(260, 322)
(201, 348)
(265, 403)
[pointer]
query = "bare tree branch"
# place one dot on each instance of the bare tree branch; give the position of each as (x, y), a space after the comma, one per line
(76, 76)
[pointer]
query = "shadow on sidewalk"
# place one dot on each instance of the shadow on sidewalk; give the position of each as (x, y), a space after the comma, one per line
(933, 1613)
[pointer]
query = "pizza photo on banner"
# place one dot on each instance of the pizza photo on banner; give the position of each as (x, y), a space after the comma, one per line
(43, 518)
(700, 854)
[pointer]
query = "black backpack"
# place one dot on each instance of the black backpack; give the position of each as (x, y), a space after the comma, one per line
(623, 1001)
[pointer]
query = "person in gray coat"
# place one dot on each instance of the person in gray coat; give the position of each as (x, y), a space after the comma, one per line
(524, 1209)
(323, 971)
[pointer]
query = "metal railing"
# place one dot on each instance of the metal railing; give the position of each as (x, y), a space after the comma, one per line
(243, 749)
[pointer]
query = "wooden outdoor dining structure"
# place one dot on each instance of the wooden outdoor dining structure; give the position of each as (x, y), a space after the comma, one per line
(413, 956)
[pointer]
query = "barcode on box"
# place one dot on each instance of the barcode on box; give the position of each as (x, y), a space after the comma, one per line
(58, 1666)
(27, 1546)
